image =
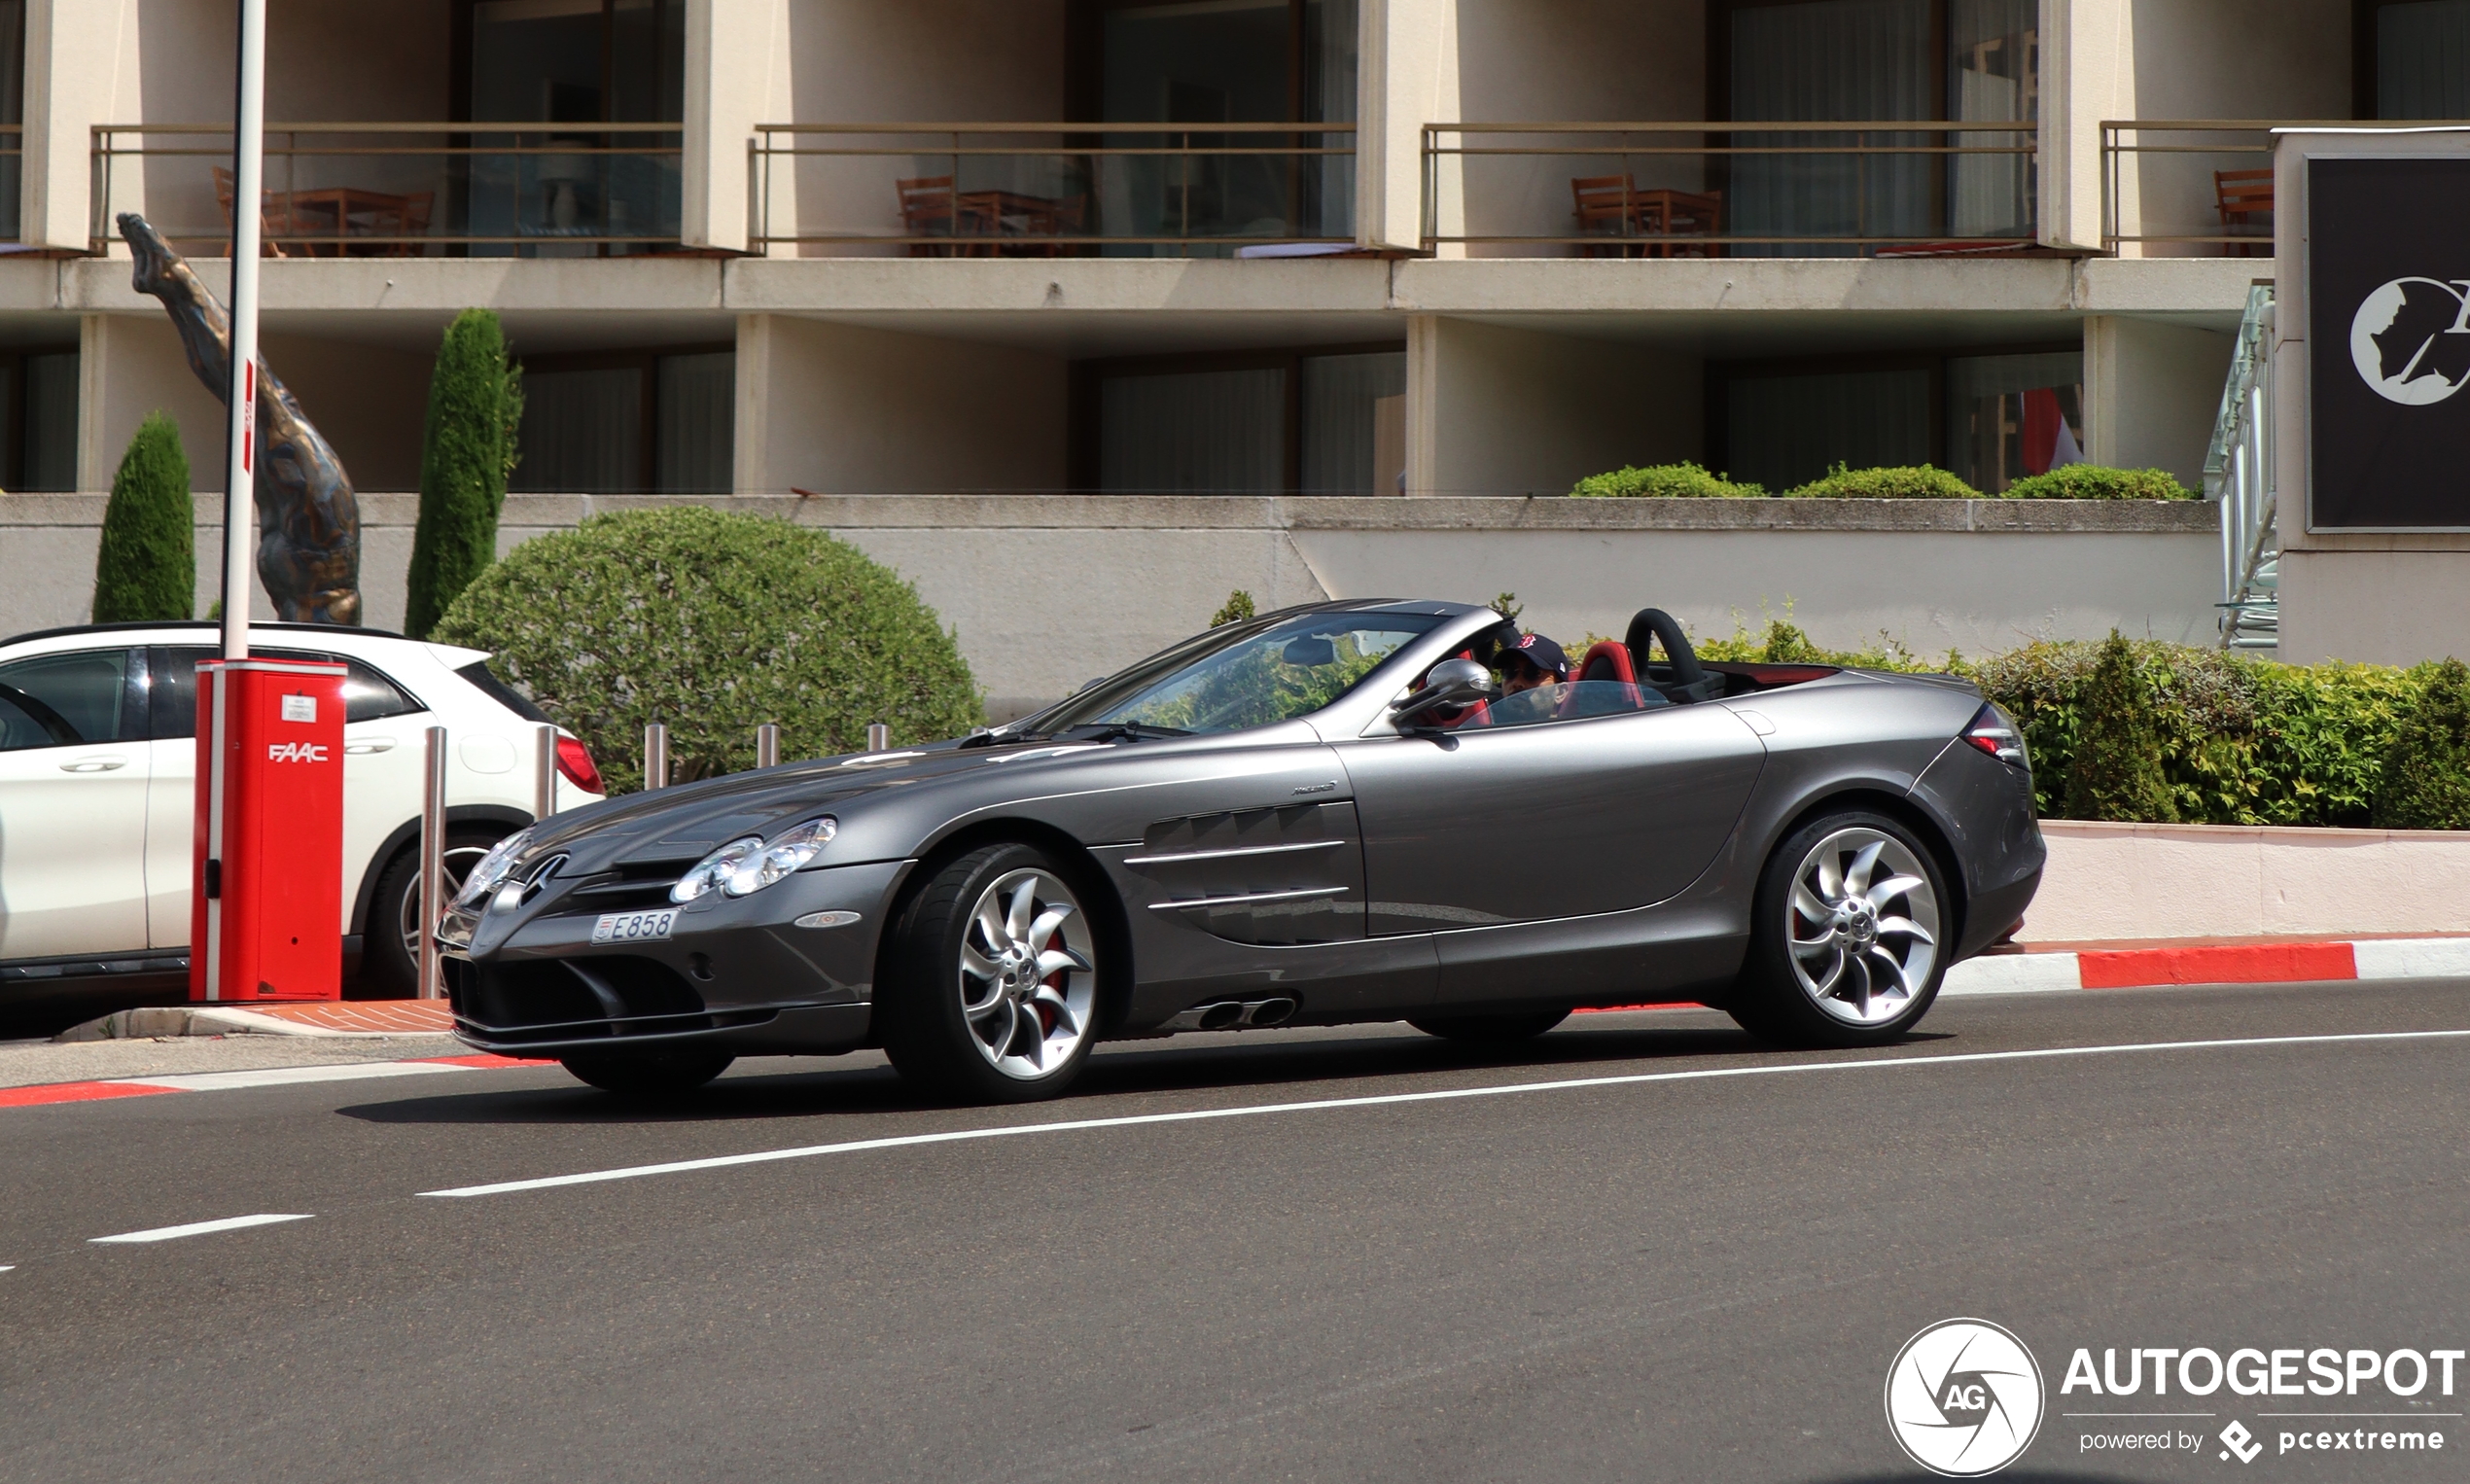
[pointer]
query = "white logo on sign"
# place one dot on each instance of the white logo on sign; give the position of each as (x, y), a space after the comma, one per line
(1964, 1398)
(295, 752)
(2239, 1440)
(2400, 339)
(299, 708)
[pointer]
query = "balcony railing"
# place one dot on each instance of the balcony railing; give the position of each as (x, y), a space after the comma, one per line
(2181, 187)
(988, 190)
(402, 190)
(1701, 188)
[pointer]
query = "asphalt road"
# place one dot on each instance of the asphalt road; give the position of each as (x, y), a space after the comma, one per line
(1665, 1277)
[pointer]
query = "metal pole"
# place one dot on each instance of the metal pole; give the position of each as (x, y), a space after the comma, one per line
(248, 156)
(544, 771)
(433, 856)
(767, 745)
(878, 737)
(655, 757)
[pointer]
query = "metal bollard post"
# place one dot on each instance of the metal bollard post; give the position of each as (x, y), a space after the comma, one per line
(433, 859)
(878, 737)
(655, 756)
(544, 771)
(767, 745)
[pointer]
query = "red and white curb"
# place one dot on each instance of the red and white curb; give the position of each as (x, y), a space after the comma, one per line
(2157, 964)
(267, 1077)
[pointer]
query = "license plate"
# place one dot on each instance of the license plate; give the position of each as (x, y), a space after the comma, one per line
(633, 927)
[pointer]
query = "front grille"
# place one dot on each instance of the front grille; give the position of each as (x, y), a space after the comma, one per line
(628, 889)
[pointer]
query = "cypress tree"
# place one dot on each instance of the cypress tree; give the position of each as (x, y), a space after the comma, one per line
(2427, 781)
(2116, 772)
(475, 401)
(147, 570)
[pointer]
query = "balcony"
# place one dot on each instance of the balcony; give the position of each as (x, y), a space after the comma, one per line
(1051, 189)
(1899, 188)
(402, 190)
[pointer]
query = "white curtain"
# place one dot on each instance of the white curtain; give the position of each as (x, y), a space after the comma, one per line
(1339, 394)
(1784, 431)
(695, 424)
(582, 431)
(2423, 60)
(1990, 195)
(1848, 60)
(50, 421)
(1199, 432)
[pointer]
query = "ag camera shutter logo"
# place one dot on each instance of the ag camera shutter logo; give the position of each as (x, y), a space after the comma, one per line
(2411, 339)
(1964, 1398)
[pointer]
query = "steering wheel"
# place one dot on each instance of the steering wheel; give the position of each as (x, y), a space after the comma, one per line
(1682, 678)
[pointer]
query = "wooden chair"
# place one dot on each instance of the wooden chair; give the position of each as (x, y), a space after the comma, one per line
(929, 208)
(274, 215)
(1606, 205)
(404, 218)
(2242, 197)
(1682, 214)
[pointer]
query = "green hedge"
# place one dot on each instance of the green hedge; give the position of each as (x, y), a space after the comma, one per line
(1920, 481)
(466, 452)
(713, 622)
(2242, 741)
(146, 570)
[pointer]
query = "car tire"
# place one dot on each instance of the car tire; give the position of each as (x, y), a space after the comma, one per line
(647, 1075)
(1850, 936)
(1490, 1030)
(389, 966)
(992, 983)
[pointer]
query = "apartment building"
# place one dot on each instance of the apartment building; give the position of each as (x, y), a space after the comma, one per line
(1177, 253)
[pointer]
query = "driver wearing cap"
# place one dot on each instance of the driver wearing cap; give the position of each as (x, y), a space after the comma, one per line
(1533, 661)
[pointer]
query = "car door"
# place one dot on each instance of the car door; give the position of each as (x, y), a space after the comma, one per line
(381, 776)
(73, 780)
(1569, 804)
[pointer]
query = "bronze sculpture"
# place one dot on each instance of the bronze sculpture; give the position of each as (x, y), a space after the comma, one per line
(309, 520)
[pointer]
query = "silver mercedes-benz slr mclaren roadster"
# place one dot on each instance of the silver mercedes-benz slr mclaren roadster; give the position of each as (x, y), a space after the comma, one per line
(1330, 814)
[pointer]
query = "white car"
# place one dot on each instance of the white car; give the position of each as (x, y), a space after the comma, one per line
(97, 776)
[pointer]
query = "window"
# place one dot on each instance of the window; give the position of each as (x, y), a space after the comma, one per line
(626, 422)
(1266, 423)
(367, 695)
(1991, 419)
(11, 108)
(56, 700)
(1567, 701)
(38, 419)
(2413, 57)
(1247, 675)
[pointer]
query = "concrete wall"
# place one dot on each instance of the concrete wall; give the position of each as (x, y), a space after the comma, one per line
(2107, 882)
(2152, 391)
(1571, 60)
(2374, 600)
(841, 409)
(1047, 591)
(861, 61)
(369, 400)
(1515, 411)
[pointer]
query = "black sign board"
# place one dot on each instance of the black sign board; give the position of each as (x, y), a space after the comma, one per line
(2389, 331)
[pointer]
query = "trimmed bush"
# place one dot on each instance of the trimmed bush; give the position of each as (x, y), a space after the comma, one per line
(2093, 481)
(1912, 481)
(2427, 769)
(1681, 481)
(1238, 610)
(147, 570)
(467, 451)
(2116, 773)
(713, 622)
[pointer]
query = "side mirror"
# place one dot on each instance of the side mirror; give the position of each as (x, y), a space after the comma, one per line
(1450, 683)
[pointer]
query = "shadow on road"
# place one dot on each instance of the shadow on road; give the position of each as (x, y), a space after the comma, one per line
(814, 1087)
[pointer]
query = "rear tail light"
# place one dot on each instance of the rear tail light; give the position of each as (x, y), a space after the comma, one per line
(1995, 734)
(575, 760)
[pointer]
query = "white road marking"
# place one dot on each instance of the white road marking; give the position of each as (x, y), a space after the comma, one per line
(201, 1228)
(277, 1077)
(1382, 1100)
(7, 1268)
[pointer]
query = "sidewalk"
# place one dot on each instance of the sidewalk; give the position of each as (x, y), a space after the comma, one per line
(2021, 968)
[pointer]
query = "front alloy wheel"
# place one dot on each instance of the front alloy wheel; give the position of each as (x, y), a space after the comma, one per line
(991, 993)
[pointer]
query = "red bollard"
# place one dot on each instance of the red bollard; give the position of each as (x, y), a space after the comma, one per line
(265, 913)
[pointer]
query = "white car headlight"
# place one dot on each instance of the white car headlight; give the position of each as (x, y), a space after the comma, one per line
(793, 848)
(493, 870)
(714, 868)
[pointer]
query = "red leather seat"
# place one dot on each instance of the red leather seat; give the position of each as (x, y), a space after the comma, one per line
(1605, 660)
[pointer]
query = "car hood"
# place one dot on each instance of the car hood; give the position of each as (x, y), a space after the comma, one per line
(688, 821)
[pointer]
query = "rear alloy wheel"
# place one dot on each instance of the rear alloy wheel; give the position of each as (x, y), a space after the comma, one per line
(1489, 1030)
(996, 980)
(647, 1075)
(1846, 947)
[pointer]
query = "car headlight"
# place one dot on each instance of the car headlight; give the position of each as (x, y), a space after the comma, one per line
(744, 866)
(493, 870)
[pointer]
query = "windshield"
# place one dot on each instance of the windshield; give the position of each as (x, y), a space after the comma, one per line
(1246, 675)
